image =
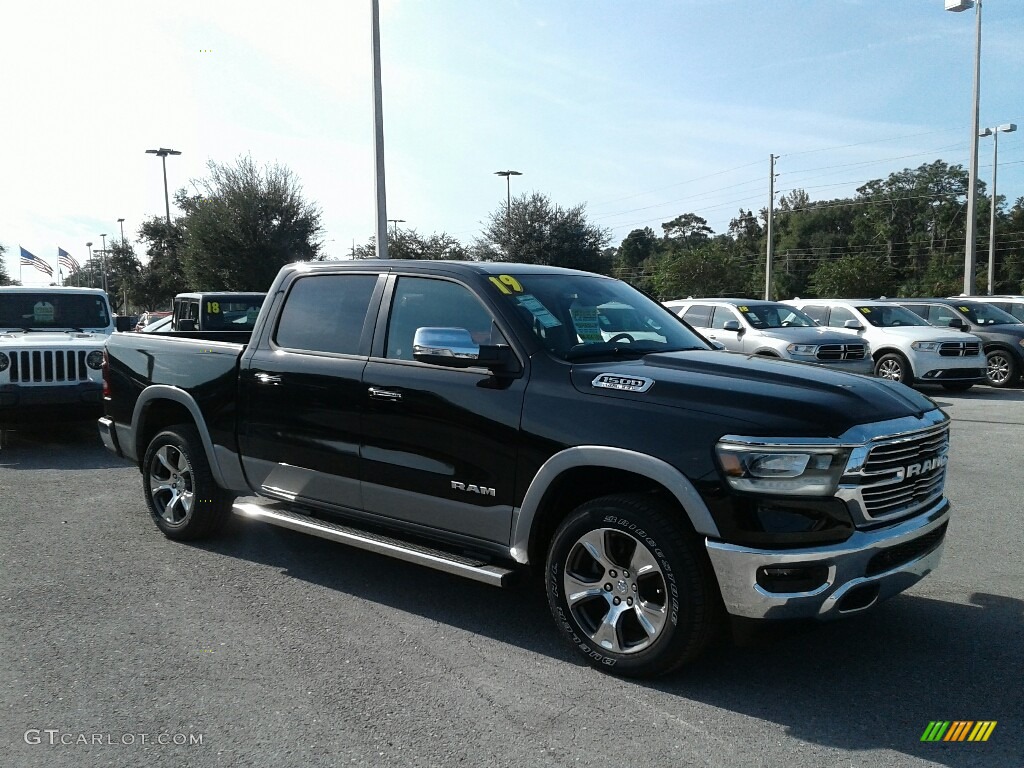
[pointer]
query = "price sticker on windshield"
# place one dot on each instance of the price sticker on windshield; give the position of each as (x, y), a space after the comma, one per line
(213, 307)
(507, 284)
(864, 310)
(744, 309)
(965, 310)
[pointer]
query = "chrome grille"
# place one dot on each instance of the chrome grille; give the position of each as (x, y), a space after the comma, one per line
(900, 475)
(48, 366)
(841, 352)
(960, 348)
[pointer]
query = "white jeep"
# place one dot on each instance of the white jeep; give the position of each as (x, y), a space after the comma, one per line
(51, 352)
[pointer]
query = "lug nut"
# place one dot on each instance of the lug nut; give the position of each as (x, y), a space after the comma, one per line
(625, 574)
(616, 601)
(629, 601)
(607, 587)
(612, 574)
(634, 587)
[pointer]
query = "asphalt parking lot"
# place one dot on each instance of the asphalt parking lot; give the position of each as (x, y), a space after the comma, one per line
(265, 647)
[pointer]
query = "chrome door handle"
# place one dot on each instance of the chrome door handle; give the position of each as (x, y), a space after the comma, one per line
(267, 378)
(385, 394)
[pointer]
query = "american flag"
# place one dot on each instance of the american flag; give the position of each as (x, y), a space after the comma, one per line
(67, 261)
(31, 260)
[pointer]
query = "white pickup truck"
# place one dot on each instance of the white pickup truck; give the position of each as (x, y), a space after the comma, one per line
(51, 352)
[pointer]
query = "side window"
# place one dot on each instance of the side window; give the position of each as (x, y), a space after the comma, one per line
(423, 302)
(193, 310)
(839, 315)
(699, 316)
(921, 310)
(325, 313)
(722, 316)
(816, 313)
(939, 314)
(1016, 309)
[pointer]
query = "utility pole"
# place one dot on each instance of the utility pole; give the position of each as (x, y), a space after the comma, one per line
(378, 135)
(771, 216)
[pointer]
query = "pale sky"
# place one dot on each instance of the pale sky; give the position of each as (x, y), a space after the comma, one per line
(642, 109)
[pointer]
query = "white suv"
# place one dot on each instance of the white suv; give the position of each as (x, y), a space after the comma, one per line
(905, 348)
(772, 329)
(51, 351)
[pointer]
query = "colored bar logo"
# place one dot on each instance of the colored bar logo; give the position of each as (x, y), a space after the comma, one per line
(958, 730)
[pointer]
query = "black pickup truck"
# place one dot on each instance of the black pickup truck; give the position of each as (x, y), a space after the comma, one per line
(485, 419)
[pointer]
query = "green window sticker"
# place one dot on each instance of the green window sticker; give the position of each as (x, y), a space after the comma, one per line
(538, 310)
(584, 320)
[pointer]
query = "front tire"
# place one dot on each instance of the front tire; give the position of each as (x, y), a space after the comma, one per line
(183, 498)
(1001, 370)
(630, 587)
(894, 367)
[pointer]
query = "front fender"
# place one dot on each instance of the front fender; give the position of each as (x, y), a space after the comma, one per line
(642, 464)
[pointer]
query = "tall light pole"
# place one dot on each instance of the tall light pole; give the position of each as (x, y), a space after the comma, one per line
(994, 133)
(104, 262)
(121, 222)
(769, 255)
(970, 253)
(378, 135)
(396, 222)
(508, 189)
(162, 153)
(92, 279)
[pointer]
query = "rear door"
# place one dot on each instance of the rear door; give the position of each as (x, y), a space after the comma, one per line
(301, 390)
(441, 444)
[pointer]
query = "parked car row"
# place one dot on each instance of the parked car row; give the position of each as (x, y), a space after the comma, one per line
(954, 342)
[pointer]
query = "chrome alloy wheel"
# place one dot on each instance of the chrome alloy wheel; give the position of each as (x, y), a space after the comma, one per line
(170, 484)
(890, 369)
(999, 369)
(615, 590)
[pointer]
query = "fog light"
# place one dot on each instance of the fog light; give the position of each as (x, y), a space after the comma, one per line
(791, 578)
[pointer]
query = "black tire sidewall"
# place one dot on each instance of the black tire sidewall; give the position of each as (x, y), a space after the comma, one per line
(681, 571)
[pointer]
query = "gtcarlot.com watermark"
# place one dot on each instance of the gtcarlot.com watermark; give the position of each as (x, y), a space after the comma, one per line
(57, 738)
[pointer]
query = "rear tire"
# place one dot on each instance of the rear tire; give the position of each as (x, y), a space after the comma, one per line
(894, 367)
(183, 498)
(1001, 369)
(630, 587)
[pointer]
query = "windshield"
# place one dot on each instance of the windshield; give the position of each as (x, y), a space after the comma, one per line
(986, 314)
(53, 309)
(763, 316)
(889, 316)
(577, 316)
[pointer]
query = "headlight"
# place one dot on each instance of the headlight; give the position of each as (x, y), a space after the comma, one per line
(785, 469)
(926, 346)
(803, 349)
(95, 360)
(5, 361)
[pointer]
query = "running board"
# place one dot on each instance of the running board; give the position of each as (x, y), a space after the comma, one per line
(477, 570)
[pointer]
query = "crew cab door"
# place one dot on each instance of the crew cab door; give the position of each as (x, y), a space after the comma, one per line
(441, 444)
(301, 392)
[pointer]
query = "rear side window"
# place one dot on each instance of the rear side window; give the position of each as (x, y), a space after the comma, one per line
(325, 313)
(699, 316)
(939, 314)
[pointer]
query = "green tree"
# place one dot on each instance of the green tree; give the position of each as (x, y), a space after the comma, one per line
(854, 276)
(533, 230)
(710, 269)
(163, 276)
(409, 244)
(690, 228)
(5, 279)
(124, 269)
(244, 225)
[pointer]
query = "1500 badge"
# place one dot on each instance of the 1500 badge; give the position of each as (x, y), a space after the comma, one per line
(618, 381)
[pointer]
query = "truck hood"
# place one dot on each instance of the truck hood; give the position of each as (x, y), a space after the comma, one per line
(51, 339)
(774, 397)
(801, 335)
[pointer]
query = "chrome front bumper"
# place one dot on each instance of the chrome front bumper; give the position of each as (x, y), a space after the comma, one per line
(865, 569)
